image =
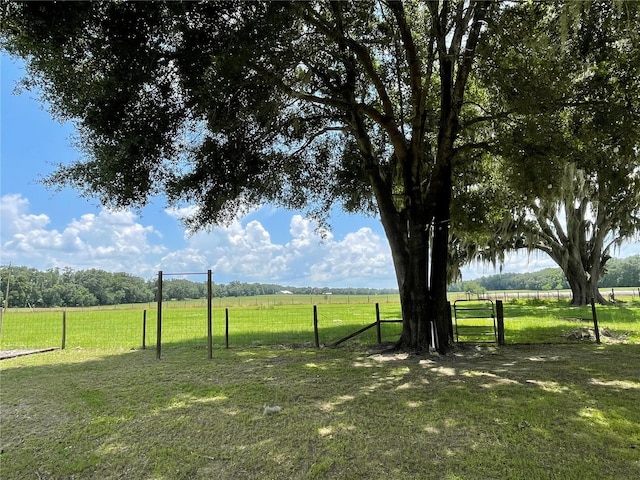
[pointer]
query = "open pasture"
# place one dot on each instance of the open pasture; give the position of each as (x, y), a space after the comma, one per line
(287, 320)
(262, 324)
(543, 406)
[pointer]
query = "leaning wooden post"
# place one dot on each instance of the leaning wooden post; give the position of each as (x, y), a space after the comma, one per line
(316, 336)
(500, 321)
(595, 320)
(378, 329)
(209, 317)
(159, 319)
(64, 329)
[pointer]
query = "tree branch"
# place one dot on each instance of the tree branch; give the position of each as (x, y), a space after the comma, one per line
(386, 119)
(315, 135)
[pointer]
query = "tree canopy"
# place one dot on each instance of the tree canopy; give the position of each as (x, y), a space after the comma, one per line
(224, 104)
(375, 105)
(563, 175)
(31, 288)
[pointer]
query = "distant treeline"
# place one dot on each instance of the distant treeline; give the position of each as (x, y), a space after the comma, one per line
(620, 273)
(29, 287)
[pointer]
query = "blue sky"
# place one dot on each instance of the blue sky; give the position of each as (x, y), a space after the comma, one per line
(43, 228)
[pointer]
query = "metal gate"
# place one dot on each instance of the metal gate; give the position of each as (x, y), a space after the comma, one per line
(475, 321)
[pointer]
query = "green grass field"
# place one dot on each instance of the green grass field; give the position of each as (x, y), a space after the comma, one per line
(546, 405)
(284, 320)
(264, 324)
(515, 412)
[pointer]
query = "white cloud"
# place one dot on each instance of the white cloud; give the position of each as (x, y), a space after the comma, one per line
(110, 240)
(361, 254)
(244, 250)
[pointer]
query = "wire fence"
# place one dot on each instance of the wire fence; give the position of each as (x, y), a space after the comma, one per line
(87, 328)
(29, 329)
(185, 325)
(612, 295)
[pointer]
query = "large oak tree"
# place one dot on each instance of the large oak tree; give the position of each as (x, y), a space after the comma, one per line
(305, 104)
(227, 103)
(563, 174)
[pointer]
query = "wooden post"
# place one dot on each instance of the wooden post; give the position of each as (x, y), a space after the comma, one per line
(209, 317)
(159, 318)
(378, 329)
(144, 329)
(500, 321)
(64, 329)
(226, 328)
(595, 320)
(316, 335)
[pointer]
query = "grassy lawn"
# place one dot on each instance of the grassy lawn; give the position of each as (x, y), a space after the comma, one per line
(251, 325)
(530, 412)
(554, 322)
(546, 405)
(268, 323)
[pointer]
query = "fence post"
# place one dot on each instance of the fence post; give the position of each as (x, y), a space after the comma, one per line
(209, 318)
(449, 322)
(595, 320)
(378, 329)
(159, 319)
(316, 336)
(144, 329)
(226, 328)
(64, 329)
(500, 321)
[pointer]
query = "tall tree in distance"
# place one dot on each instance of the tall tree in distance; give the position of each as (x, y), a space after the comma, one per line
(223, 104)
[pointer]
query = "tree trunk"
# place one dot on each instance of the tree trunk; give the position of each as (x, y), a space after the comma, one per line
(418, 230)
(417, 315)
(411, 264)
(438, 280)
(420, 247)
(583, 287)
(579, 255)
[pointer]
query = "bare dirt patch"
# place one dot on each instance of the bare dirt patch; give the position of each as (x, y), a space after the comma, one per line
(587, 333)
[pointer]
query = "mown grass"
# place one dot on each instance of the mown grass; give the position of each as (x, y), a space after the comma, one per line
(526, 321)
(514, 412)
(248, 325)
(536, 321)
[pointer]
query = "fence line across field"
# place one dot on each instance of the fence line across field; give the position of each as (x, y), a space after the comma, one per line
(132, 327)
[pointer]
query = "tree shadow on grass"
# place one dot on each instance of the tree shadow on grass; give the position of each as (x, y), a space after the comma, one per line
(327, 335)
(549, 322)
(476, 413)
